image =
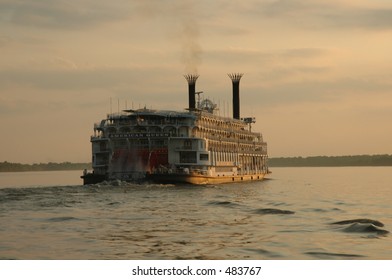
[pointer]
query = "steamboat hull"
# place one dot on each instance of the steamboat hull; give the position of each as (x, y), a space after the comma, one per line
(201, 179)
(90, 178)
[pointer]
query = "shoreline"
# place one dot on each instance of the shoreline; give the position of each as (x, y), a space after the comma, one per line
(314, 161)
(50, 166)
(332, 161)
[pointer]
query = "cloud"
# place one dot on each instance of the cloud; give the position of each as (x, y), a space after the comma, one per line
(4, 41)
(61, 14)
(183, 25)
(323, 14)
(313, 14)
(275, 67)
(359, 18)
(81, 79)
(246, 55)
(328, 93)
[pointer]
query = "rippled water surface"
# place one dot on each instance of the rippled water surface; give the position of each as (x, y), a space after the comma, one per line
(299, 213)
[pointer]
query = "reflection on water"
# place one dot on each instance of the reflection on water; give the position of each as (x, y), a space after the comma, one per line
(300, 213)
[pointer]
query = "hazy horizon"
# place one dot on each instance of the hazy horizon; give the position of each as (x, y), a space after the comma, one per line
(316, 73)
(279, 157)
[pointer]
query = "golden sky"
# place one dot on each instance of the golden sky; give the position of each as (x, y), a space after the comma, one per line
(317, 72)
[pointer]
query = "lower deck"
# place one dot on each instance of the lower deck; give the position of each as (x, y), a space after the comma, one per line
(198, 179)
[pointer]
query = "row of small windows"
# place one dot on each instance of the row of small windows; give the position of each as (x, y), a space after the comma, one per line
(211, 133)
(191, 157)
(205, 121)
(173, 131)
(141, 143)
(230, 147)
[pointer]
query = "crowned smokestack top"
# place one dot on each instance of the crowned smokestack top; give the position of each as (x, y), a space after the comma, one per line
(235, 78)
(191, 78)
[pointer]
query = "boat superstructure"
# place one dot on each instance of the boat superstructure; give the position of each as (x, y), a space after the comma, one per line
(194, 146)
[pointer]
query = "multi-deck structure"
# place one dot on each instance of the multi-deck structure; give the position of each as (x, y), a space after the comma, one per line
(195, 146)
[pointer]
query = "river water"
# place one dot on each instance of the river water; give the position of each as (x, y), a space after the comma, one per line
(299, 213)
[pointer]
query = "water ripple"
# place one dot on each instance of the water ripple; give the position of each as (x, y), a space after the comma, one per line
(326, 255)
(363, 221)
(224, 203)
(273, 211)
(62, 219)
(365, 228)
(362, 226)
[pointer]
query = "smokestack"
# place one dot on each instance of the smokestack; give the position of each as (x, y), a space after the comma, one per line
(235, 78)
(191, 89)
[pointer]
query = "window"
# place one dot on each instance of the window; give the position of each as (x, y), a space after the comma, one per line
(188, 144)
(203, 156)
(188, 157)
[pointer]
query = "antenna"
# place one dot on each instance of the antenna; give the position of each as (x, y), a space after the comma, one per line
(111, 106)
(198, 98)
(249, 121)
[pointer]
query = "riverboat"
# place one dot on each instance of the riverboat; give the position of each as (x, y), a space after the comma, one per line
(196, 146)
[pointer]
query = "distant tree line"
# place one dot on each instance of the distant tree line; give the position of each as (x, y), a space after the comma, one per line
(360, 160)
(50, 166)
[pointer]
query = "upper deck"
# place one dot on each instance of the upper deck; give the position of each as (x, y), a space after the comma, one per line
(146, 123)
(158, 120)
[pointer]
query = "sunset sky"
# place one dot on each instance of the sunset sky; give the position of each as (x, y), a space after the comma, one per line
(317, 73)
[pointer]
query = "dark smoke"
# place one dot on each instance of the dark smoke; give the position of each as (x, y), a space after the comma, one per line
(191, 49)
(183, 14)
